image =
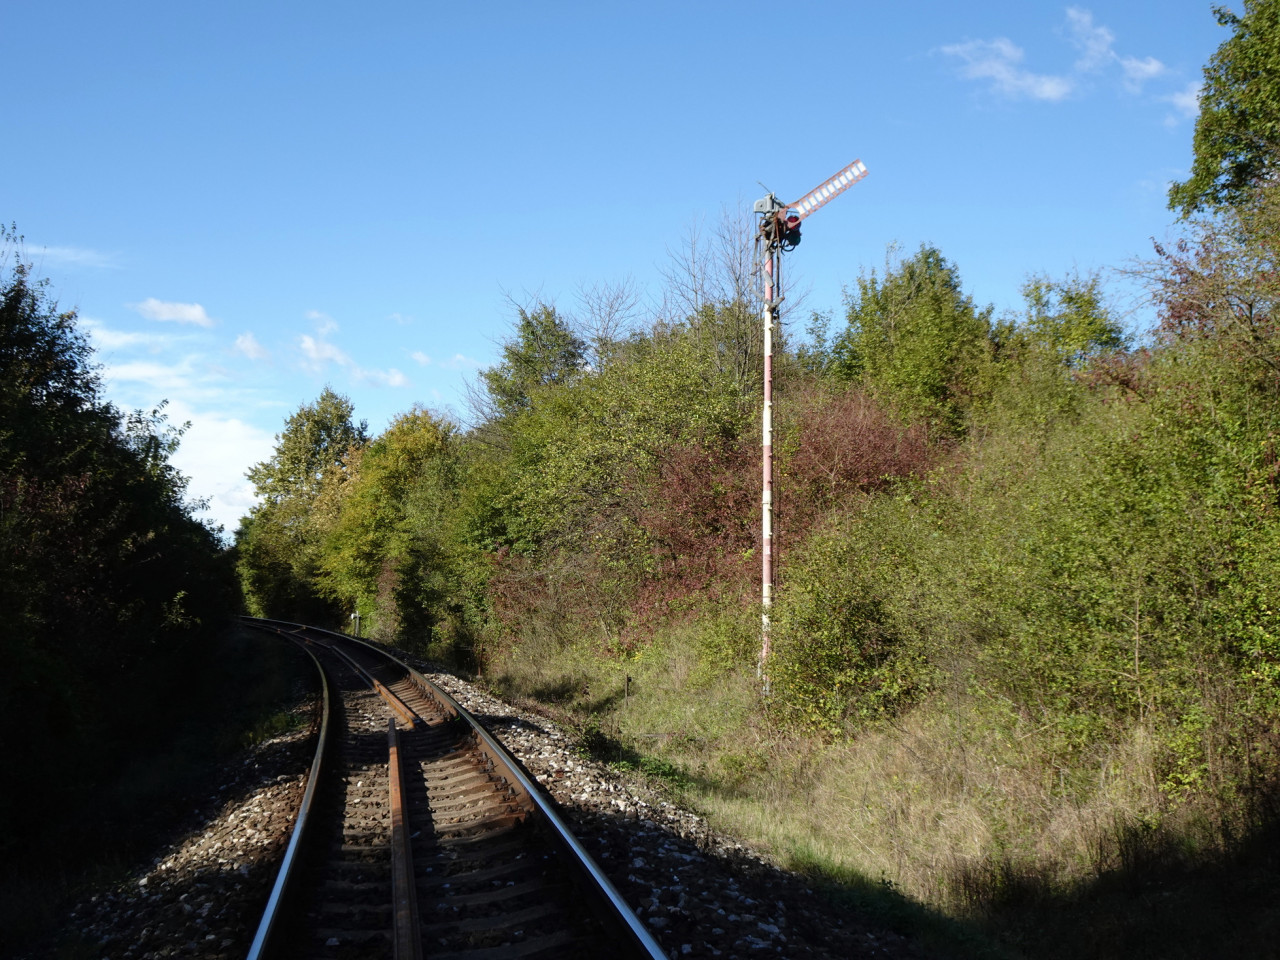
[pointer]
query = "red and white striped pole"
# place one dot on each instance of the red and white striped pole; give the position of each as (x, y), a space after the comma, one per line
(780, 230)
(772, 296)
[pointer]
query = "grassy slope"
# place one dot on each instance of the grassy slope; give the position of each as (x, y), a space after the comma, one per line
(946, 823)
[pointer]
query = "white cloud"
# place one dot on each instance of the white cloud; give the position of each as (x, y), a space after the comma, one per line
(325, 324)
(998, 61)
(170, 311)
(1137, 72)
(1094, 41)
(215, 453)
(1186, 101)
(1097, 51)
(248, 345)
(104, 338)
(401, 319)
(320, 352)
(459, 362)
(157, 377)
(382, 378)
(456, 362)
(75, 257)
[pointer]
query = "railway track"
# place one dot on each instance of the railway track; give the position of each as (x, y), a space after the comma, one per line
(419, 836)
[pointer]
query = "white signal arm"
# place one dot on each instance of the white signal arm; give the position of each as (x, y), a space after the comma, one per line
(830, 189)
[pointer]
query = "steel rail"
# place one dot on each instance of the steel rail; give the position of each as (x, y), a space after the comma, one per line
(611, 901)
(406, 933)
(398, 706)
(268, 927)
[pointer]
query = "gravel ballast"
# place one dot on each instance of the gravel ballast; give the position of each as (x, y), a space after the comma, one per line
(701, 893)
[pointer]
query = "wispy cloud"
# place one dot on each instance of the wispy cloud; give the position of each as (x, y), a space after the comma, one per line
(74, 257)
(401, 319)
(325, 324)
(456, 362)
(1093, 41)
(1000, 61)
(1097, 51)
(104, 338)
(169, 311)
(382, 378)
(1186, 102)
(460, 362)
(318, 354)
(247, 345)
(1137, 72)
(162, 377)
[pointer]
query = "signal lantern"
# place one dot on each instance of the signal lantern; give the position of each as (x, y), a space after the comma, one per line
(790, 231)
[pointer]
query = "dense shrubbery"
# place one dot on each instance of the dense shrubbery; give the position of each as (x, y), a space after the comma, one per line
(103, 570)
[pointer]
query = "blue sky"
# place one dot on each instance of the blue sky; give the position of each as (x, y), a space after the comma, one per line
(246, 202)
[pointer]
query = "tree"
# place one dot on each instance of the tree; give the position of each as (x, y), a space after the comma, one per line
(543, 352)
(382, 548)
(104, 573)
(1069, 319)
(278, 543)
(1237, 138)
(316, 436)
(714, 293)
(915, 339)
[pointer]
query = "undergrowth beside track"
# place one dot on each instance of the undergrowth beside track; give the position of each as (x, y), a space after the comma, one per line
(943, 824)
(116, 801)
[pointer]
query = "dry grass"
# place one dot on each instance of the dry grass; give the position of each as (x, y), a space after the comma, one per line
(958, 806)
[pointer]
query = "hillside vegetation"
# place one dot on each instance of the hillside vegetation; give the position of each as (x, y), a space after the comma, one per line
(1026, 625)
(1026, 639)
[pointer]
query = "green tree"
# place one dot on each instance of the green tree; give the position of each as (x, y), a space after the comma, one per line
(1070, 319)
(278, 544)
(385, 548)
(103, 571)
(1237, 138)
(543, 352)
(916, 339)
(317, 436)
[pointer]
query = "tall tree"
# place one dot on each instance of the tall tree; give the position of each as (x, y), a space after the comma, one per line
(102, 566)
(543, 352)
(1237, 138)
(915, 338)
(278, 543)
(317, 436)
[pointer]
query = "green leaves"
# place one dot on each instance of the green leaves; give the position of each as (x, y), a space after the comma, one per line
(916, 340)
(279, 543)
(316, 437)
(543, 353)
(1237, 138)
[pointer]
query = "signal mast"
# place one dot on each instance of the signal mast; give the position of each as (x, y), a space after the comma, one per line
(780, 231)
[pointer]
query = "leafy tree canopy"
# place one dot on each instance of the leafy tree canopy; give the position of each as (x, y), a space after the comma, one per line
(915, 338)
(1069, 318)
(1237, 138)
(543, 352)
(315, 437)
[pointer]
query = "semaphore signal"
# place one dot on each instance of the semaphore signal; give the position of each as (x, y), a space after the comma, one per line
(780, 231)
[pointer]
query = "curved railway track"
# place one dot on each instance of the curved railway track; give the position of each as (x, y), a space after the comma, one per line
(419, 836)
